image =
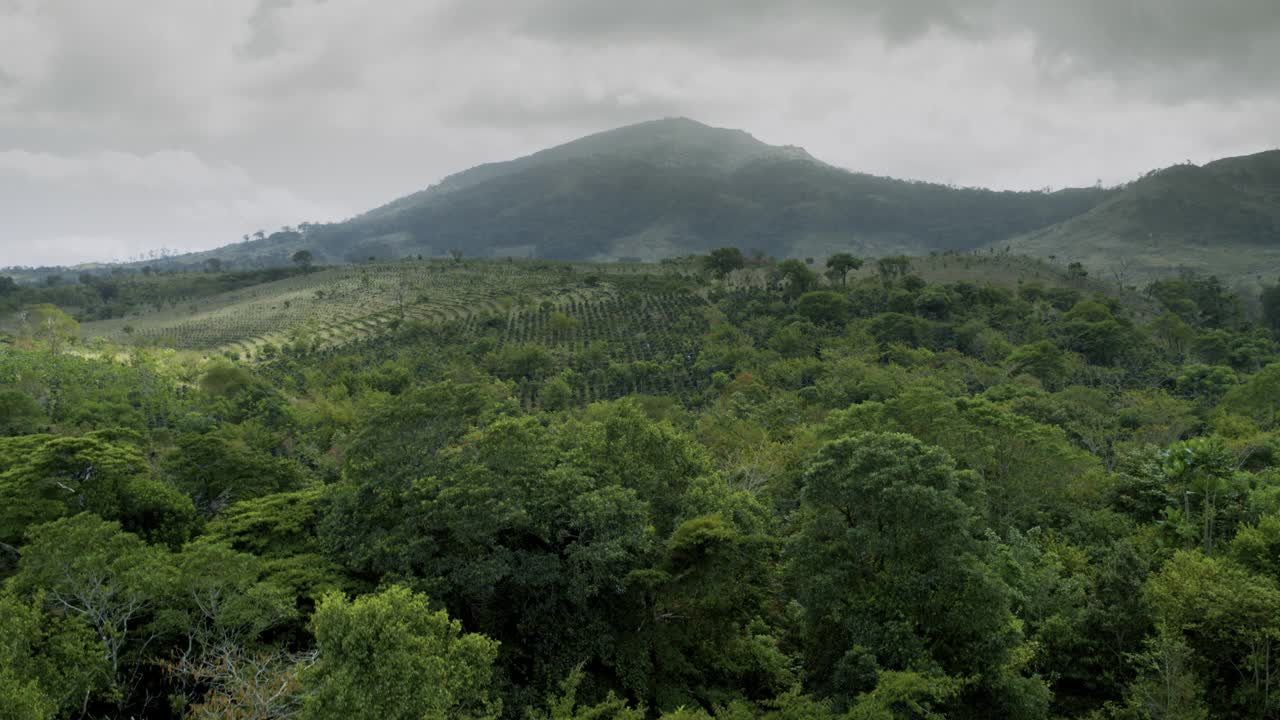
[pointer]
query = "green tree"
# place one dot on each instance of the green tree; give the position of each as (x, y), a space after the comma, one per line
(50, 664)
(794, 277)
(390, 657)
(283, 530)
(1258, 398)
(893, 267)
(892, 576)
(823, 307)
(57, 476)
(1167, 686)
(19, 413)
(1203, 471)
(47, 324)
(223, 598)
(529, 546)
(1043, 360)
(1270, 299)
(840, 265)
(701, 623)
(722, 261)
(1090, 328)
(303, 259)
(92, 570)
(215, 472)
(556, 393)
(1229, 618)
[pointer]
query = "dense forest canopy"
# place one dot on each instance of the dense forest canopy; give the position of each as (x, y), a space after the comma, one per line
(734, 489)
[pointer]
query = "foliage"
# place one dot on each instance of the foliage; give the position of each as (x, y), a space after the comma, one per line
(888, 561)
(634, 491)
(722, 261)
(389, 656)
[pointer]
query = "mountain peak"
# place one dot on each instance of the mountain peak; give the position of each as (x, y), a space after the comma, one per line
(673, 142)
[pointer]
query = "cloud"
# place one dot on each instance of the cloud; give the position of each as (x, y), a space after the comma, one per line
(186, 123)
(99, 205)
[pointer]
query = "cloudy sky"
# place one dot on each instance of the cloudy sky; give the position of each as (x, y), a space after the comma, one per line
(131, 125)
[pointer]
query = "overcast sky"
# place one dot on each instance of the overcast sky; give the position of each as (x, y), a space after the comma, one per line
(131, 125)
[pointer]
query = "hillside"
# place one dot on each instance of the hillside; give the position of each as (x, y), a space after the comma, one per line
(333, 306)
(1221, 218)
(674, 187)
(587, 463)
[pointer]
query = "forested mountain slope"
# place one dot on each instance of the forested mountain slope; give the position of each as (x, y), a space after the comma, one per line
(674, 187)
(1221, 218)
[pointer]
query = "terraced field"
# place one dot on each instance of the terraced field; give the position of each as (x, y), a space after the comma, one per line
(335, 306)
(619, 343)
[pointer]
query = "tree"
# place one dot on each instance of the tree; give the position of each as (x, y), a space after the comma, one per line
(823, 307)
(213, 265)
(223, 599)
(722, 261)
(892, 576)
(934, 302)
(370, 525)
(1229, 619)
(1042, 360)
(840, 265)
(556, 393)
(240, 684)
(893, 267)
(57, 476)
(1166, 686)
(1270, 306)
(47, 324)
(389, 656)
(216, 472)
(1202, 468)
(1258, 398)
(1076, 273)
(795, 278)
(303, 259)
(529, 546)
(91, 569)
(702, 621)
(50, 665)
(19, 413)
(1091, 329)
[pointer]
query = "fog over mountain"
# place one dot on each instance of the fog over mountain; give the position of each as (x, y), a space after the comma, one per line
(130, 126)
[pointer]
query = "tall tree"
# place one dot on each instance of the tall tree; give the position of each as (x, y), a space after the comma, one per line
(90, 569)
(1270, 306)
(389, 656)
(47, 324)
(794, 277)
(893, 576)
(722, 261)
(303, 259)
(893, 267)
(840, 265)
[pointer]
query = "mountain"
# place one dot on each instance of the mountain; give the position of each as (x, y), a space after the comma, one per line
(1221, 218)
(673, 187)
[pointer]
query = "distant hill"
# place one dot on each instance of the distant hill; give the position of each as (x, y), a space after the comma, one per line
(1221, 218)
(673, 187)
